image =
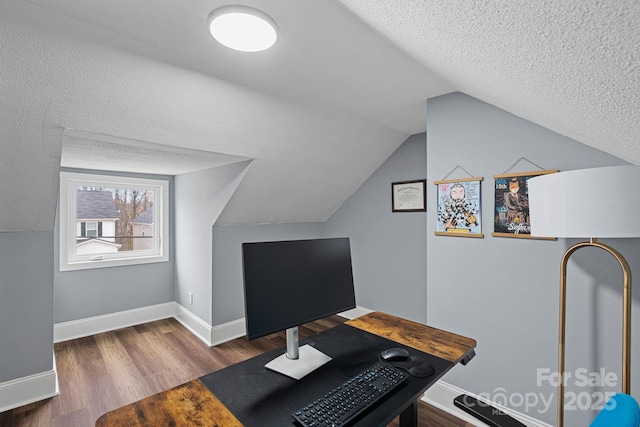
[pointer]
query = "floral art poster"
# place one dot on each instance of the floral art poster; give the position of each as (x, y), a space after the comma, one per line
(459, 210)
(511, 212)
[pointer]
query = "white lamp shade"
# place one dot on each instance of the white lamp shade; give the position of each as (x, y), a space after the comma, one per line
(586, 203)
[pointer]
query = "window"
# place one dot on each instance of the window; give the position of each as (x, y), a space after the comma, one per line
(89, 229)
(108, 221)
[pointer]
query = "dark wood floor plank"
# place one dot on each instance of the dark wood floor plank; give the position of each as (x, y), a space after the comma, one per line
(106, 371)
(33, 415)
(203, 359)
(127, 376)
(73, 380)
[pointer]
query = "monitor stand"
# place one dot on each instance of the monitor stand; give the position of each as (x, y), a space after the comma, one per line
(297, 361)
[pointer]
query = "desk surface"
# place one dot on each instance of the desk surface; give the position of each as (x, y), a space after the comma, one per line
(193, 403)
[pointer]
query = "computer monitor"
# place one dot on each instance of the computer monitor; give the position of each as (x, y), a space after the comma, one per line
(288, 283)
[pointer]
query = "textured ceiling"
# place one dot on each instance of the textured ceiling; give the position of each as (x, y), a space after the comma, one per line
(85, 150)
(102, 83)
(572, 66)
(98, 80)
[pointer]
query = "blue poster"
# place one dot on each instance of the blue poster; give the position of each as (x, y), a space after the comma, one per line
(459, 211)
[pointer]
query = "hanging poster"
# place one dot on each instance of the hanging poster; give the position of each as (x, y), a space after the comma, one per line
(511, 204)
(459, 210)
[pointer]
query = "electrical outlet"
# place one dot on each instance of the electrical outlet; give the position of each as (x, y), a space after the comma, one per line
(190, 298)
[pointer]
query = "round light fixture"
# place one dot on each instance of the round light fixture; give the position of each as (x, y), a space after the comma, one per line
(243, 28)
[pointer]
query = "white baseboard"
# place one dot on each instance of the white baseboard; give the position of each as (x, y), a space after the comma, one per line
(228, 331)
(355, 312)
(210, 335)
(73, 329)
(193, 323)
(214, 335)
(441, 395)
(26, 390)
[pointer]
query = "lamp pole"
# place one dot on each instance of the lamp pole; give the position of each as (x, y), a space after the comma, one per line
(626, 316)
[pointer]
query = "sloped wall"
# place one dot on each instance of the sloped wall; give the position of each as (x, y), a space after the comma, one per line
(504, 291)
(388, 248)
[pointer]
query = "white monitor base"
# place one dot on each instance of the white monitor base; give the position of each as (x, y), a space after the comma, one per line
(309, 359)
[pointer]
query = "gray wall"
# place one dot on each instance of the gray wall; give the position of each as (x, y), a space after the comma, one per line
(200, 198)
(26, 304)
(504, 291)
(388, 249)
(227, 293)
(87, 293)
(196, 201)
(385, 247)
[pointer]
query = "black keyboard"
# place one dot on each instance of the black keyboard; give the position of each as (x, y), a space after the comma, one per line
(354, 396)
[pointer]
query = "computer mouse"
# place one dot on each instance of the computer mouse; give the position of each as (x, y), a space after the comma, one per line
(394, 355)
(423, 370)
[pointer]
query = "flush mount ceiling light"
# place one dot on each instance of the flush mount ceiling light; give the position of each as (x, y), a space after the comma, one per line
(243, 28)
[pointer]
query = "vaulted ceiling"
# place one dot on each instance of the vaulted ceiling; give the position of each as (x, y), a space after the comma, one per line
(103, 84)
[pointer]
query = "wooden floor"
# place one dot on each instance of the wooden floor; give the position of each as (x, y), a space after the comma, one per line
(106, 371)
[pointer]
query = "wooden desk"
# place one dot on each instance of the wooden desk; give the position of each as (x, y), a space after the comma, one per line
(193, 403)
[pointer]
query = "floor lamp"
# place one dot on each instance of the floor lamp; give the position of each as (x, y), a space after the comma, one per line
(588, 203)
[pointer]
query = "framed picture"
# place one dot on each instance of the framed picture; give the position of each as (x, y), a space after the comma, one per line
(459, 209)
(511, 205)
(408, 196)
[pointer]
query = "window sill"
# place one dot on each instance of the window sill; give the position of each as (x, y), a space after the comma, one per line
(105, 263)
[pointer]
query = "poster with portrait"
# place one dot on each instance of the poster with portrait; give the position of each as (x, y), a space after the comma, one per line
(459, 211)
(511, 204)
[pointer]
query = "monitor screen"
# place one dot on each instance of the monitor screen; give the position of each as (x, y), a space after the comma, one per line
(289, 283)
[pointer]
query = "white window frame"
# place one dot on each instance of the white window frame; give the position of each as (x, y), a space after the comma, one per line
(70, 261)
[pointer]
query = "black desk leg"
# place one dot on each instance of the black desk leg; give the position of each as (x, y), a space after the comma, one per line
(409, 417)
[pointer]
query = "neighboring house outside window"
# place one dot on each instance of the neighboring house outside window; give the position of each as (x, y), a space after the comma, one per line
(110, 220)
(96, 217)
(143, 228)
